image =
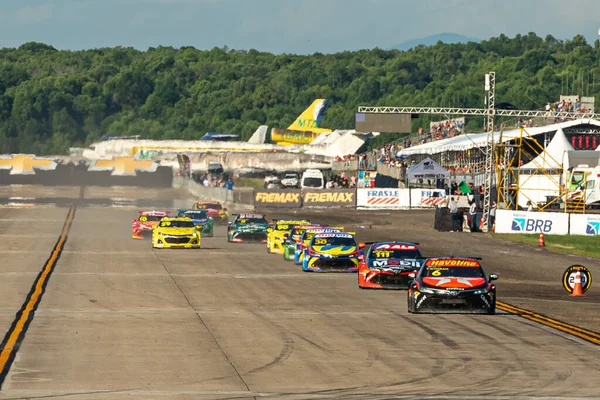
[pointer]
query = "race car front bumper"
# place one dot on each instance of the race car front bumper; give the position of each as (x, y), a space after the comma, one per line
(373, 279)
(330, 264)
(288, 252)
(276, 247)
(172, 242)
(448, 301)
(243, 237)
(141, 234)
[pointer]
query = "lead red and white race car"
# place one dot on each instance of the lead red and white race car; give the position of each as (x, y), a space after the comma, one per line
(143, 225)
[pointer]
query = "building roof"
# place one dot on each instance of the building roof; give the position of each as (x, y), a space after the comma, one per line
(475, 140)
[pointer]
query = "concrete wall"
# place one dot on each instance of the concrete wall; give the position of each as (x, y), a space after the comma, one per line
(245, 161)
(238, 196)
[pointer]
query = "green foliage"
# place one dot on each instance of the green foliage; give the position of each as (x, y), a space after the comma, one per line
(51, 100)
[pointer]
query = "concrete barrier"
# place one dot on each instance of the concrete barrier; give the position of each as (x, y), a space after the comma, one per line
(79, 175)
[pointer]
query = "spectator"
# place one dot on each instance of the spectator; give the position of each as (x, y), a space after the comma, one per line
(453, 206)
(473, 215)
(493, 214)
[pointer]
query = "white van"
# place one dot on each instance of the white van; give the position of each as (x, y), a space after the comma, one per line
(312, 179)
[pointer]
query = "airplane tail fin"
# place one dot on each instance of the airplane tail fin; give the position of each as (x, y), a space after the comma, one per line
(310, 119)
(259, 135)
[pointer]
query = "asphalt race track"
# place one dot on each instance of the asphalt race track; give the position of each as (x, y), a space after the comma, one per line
(118, 320)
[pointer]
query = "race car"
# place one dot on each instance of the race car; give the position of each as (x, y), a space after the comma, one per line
(201, 218)
(277, 234)
(334, 252)
(214, 209)
(176, 232)
(387, 265)
(451, 285)
(302, 244)
(248, 228)
(143, 225)
(293, 238)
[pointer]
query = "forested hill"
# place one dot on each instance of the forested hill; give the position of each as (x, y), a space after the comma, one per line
(51, 100)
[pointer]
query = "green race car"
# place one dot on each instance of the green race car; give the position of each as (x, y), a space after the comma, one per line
(199, 217)
(248, 228)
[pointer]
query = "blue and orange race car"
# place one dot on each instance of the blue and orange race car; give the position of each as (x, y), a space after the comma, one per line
(305, 239)
(333, 252)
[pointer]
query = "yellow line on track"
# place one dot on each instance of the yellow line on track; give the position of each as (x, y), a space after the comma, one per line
(16, 333)
(585, 334)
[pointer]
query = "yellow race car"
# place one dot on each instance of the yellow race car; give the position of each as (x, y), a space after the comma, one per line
(176, 233)
(279, 232)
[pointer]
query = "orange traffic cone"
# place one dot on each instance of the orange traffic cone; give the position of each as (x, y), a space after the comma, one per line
(541, 241)
(577, 289)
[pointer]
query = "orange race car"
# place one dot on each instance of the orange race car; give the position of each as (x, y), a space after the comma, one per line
(143, 225)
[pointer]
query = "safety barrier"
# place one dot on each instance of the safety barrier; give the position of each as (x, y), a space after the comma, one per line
(350, 198)
(548, 223)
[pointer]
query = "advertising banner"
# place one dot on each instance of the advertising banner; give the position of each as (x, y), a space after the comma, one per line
(329, 198)
(278, 198)
(585, 224)
(508, 221)
(382, 198)
(427, 198)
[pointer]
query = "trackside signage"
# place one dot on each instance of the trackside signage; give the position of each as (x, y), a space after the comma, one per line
(382, 198)
(524, 222)
(585, 224)
(278, 198)
(329, 198)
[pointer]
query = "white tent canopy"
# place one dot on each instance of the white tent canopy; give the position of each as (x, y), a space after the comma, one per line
(552, 157)
(427, 169)
(473, 140)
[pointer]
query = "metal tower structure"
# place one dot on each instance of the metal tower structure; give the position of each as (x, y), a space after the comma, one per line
(490, 88)
(490, 112)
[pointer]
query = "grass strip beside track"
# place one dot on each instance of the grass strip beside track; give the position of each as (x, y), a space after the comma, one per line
(565, 244)
(590, 336)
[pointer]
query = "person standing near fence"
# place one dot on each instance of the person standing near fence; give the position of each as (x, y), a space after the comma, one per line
(473, 215)
(453, 206)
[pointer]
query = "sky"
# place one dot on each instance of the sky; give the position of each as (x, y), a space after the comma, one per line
(283, 26)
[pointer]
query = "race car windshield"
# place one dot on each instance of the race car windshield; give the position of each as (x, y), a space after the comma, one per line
(176, 224)
(395, 254)
(334, 241)
(252, 220)
(463, 272)
(150, 218)
(195, 215)
(212, 206)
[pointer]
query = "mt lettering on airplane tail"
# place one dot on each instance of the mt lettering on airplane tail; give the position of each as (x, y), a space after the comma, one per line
(310, 119)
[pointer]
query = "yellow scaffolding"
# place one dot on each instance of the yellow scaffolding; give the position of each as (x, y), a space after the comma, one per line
(508, 154)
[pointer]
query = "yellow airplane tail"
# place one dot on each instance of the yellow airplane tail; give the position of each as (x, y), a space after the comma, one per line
(310, 119)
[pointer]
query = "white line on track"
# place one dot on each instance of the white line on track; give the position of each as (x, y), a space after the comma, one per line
(325, 394)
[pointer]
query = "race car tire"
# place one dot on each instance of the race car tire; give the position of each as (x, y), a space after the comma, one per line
(492, 309)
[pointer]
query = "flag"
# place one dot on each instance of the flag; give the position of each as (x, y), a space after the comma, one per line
(464, 188)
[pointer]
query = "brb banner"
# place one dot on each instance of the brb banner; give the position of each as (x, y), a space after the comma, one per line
(582, 224)
(382, 198)
(508, 221)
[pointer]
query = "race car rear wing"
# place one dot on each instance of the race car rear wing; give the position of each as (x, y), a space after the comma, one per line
(154, 211)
